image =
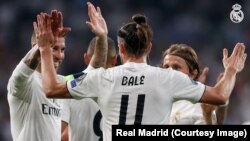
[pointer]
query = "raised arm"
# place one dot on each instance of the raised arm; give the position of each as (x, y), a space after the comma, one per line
(19, 79)
(220, 93)
(98, 26)
(221, 111)
(52, 88)
(46, 40)
(32, 58)
(207, 109)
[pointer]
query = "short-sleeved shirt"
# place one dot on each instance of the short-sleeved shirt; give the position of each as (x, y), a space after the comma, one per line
(135, 93)
(33, 116)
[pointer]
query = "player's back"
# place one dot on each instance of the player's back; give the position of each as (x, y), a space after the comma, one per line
(142, 94)
(135, 93)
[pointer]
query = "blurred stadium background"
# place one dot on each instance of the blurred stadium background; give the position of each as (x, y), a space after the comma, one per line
(202, 24)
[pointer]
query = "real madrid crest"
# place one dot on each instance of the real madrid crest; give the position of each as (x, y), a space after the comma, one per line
(236, 14)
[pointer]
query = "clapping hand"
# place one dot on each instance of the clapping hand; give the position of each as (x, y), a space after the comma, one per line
(237, 59)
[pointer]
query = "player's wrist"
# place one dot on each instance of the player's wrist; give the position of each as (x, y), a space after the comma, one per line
(103, 36)
(44, 49)
(230, 71)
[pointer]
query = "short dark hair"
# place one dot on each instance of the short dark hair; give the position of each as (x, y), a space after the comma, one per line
(111, 48)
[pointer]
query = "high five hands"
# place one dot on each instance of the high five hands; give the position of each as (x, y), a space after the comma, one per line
(48, 28)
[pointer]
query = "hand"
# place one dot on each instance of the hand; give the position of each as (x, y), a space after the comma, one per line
(202, 78)
(43, 31)
(237, 59)
(97, 23)
(57, 24)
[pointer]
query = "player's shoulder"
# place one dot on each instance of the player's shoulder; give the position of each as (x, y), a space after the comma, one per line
(111, 70)
(163, 75)
(159, 70)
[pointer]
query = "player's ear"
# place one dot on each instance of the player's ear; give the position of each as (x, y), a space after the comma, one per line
(114, 60)
(149, 48)
(86, 58)
(121, 48)
(193, 74)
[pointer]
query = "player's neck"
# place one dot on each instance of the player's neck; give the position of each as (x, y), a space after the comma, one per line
(136, 60)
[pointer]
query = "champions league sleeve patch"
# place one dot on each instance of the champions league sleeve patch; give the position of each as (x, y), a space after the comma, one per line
(73, 83)
(78, 79)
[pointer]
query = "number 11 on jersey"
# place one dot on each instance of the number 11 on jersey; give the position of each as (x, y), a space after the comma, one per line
(139, 109)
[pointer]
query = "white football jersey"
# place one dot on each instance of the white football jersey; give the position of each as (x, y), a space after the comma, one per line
(135, 93)
(83, 117)
(185, 112)
(33, 116)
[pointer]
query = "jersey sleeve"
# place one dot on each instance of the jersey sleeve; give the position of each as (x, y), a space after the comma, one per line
(66, 110)
(19, 81)
(184, 87)
(76, 75)
(86, 85)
